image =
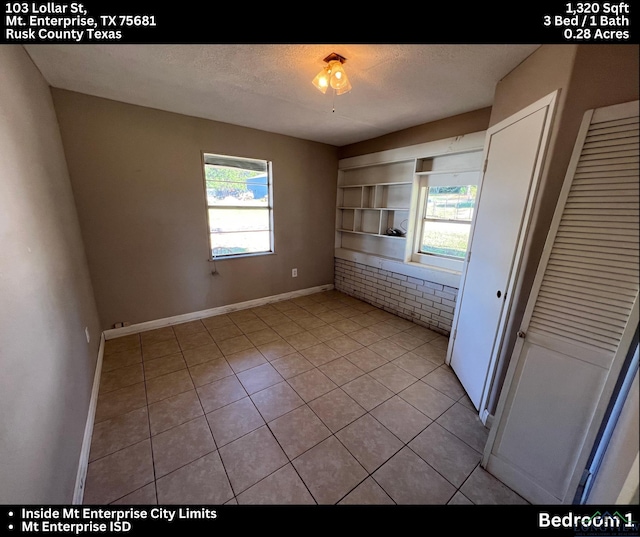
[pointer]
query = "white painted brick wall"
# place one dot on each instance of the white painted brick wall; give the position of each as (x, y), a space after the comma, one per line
(423, 302)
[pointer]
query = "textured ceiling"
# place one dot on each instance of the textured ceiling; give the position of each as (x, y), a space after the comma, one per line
(268, 87)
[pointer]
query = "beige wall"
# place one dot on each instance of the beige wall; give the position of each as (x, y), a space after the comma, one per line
(475, 121)
(46, 298)
(137, 177)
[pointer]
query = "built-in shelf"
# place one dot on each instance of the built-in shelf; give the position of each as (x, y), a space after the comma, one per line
(380, 192)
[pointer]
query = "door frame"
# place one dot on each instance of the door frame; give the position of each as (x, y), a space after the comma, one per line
(550, 102)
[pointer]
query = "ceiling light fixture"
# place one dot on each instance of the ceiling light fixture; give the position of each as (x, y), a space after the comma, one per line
(333, 75)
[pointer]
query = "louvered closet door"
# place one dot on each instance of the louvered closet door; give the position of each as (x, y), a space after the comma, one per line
(580, 319)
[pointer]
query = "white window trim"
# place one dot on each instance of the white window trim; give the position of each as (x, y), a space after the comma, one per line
(422, 186)
(270, 204)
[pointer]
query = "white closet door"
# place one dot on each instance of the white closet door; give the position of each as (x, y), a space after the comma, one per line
(514, 153)
(580, 319)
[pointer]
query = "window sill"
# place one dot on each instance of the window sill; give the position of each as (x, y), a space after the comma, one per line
(239, 256)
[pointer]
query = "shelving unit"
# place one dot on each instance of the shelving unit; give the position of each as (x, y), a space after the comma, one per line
(372, 209)
(379, 191)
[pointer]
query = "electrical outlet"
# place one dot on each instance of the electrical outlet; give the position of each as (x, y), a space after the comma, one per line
(294, 273)
(86, 333)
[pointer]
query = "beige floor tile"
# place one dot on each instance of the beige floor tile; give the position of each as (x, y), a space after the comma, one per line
(251, 325)
(157, 335)
(407, 341)
(234, 344)
(121, 378)
(459, 499)
(402, 419)
(121, 359)
(346, 326)
(143, 496)
(259, 377)
(325, 333)
(274, 319)
(385, 329)
(288, 328)
(119, 432)
(302, 340)
(261, 337)
(364, 320)
(367, 391)
(414, 364)
(119, 474)
(210, 371)
(366, 336)
(482, 489)
(120, 401)
(370, 442)
(194, 340)
(167, 385)
(164, 365)
(309, 323)
(234, 420)
(446, 382)
(292, 365)
(298, 430)
(282, 487)
(243, 360)
(281, 364)
(251, 458)
(336, 409)
(445, 452)
(410, 480)
(311, 384)
(222, 333)
(276, 349)
(367, 493)
(466, 425)
(423, 333)
(427, 399)
(365, 359)
(120, 344)
(329, 471)
(319, 354)
(181, 445)
(387, 349)
(344, 345)
(201, 482)
(276, 400)
(220, 393)
(203, 354)
(431, 353)
(160, 349)
(393, 377)
(329, 317)
(242, 315)
(190, 327)
(217, 321)
(341, 371)
(174, 411)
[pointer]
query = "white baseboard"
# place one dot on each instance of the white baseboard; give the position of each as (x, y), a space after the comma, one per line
(177, 319)
(83, 464)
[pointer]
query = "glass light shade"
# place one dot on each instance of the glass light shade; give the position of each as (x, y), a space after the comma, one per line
(321, 81)
(339, 78)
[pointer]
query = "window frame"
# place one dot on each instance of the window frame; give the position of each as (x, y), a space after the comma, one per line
(208, 207)
(423, 184)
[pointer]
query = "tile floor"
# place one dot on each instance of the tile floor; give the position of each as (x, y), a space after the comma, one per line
(321, 399)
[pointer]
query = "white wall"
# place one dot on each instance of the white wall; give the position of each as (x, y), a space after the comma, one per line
(46, 297)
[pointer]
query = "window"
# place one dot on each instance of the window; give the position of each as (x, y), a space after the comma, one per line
(239, 205)
(444, 216)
